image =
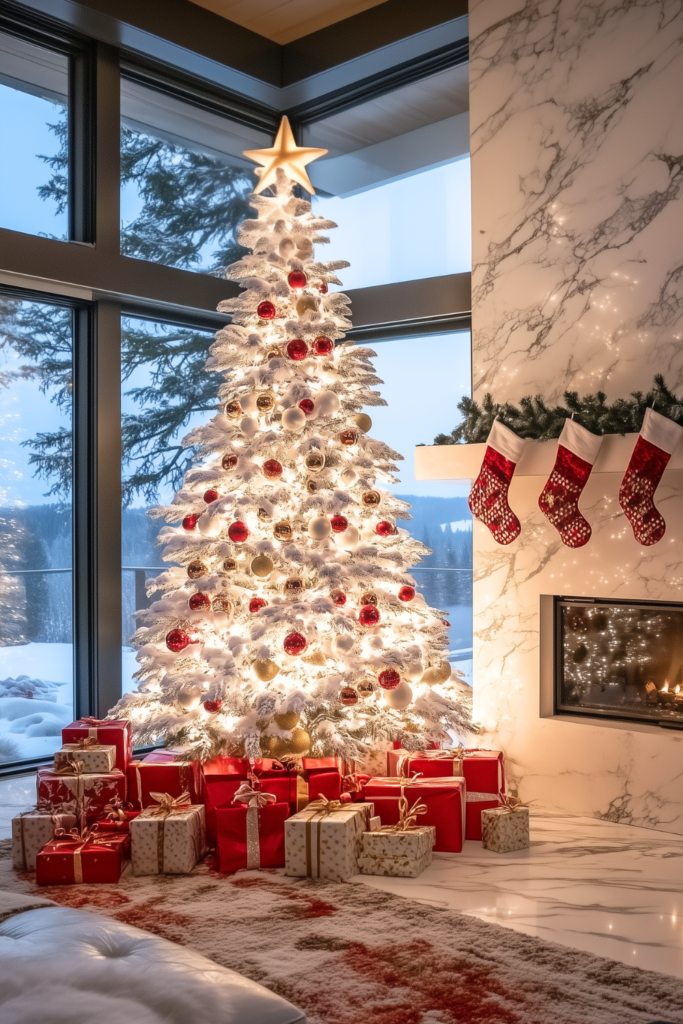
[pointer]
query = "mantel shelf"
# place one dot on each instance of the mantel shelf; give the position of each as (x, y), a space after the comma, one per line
(463, 461)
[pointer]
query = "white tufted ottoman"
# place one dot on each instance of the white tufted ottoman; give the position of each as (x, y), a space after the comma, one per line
(62, 966)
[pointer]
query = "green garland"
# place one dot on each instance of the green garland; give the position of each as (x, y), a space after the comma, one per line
(533, 418)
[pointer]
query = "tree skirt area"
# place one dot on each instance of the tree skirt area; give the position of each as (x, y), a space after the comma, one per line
(350, 954)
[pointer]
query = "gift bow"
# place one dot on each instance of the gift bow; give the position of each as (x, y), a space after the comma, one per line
(82, 839)
(94, 722)
(354, 783)
(407, 818)
(116, 810)
(252, 797)
(321, 805)
(510, 803)
(168, 804)
(85, 743)
(69, 768)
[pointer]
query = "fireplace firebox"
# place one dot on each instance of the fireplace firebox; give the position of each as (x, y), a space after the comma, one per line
(619, 659)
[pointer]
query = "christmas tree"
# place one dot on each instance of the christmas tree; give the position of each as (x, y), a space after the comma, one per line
(288, 623)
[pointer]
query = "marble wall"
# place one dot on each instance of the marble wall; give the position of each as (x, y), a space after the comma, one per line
(577, 182)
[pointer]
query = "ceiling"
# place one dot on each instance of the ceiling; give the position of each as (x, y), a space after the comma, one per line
(285, 20)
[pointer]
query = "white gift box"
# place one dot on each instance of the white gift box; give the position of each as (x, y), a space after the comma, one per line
(97, 760)
(31, 831)
(400, 854)
(168, 844)
(326, 845)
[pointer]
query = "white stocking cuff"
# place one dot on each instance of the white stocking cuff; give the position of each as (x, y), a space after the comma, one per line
(661, 431)
(580, 441)
(505, 442)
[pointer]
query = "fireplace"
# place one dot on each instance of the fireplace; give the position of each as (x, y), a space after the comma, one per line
(618, 659)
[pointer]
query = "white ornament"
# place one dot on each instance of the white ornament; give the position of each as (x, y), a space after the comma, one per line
(294, 419)
(342, 644)
(248, 426)
(310, 367)
(189, 697)
(319, 528)
(248, 402)
(347, 540)
(376, 643)
(414, 671)
(327, 403)
(400, 697)
(348, 476)
(209, 526)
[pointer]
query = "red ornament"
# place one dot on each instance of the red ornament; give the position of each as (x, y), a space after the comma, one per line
(339, 523)
(368, 615)
(306, 405)
(322, 287)
(322, 346)
(229, 461)
(190, 522)
(272, 469)
(339, 597)
(210, 496)
(212, 706)
(406, 593)
(348, 696)
(238, 532)
(297, 349)
(446, 623)
(389, 679)
(295, 643)
(177, 640)
(384, 529)
(199, 603)
(296, 279)
(256, 604)
(266, 310)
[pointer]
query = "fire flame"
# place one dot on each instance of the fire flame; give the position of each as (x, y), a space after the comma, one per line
(677, 689)
(665, 688)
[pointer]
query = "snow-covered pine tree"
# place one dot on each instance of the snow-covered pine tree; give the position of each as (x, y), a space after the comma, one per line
(289, 624)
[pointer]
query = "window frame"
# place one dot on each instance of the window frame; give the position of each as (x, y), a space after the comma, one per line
(89, 274)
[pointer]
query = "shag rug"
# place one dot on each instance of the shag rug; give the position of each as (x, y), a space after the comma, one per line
(350, 954)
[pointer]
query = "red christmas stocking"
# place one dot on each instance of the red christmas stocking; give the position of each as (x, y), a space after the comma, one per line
(654, 447)
(488, 498)
(577, 450)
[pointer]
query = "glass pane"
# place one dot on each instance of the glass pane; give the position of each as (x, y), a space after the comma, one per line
(36, 644)
(423, 380)
(34, 85)
(184, 181)
(165, 392)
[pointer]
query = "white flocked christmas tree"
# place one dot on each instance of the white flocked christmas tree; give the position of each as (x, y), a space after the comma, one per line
(288, 623)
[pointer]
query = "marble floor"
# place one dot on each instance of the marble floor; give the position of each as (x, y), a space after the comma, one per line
(612, 890)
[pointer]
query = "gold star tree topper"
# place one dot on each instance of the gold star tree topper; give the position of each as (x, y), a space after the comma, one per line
(286, 154)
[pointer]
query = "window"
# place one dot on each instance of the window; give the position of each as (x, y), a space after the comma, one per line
(424, 378)
(36, 641)
(165, 393)
(34, 85)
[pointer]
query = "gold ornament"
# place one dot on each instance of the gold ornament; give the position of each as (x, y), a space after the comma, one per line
(286, 154)
(363, 422)
(369, 598)
(265, 669)
(229, 461)
(265, 401)
(286, 720)
(233, 410)
(365, 688)
(299, 743)
(283, 531)
(348, 437)
(311, 486)
(438, 673)
(261, 565)
(314, 461)
(273, 353)
(222, 604)
(230, 564)
(189, 697)
(371, 498)
(264, 516)
(196, 569)
(293, 587)
(306, 303)
(317, 658)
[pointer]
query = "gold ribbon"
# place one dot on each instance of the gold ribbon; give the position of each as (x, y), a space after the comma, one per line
(322, 808)
(407, 819)
(84, 744)
(69, 768)
(81, 839)
(511, 803)
(167, 806)
(455, 755)
(253, 799)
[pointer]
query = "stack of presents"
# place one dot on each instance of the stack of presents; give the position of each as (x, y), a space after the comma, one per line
(98, 808)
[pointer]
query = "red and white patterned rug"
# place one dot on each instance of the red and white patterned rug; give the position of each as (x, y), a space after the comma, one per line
(350, 954)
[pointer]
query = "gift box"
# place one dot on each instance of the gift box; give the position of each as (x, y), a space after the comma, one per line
(402, 854)
(223, 776)
(32, 830)
(96, 758)
(505, 829)
(79, 791)
(327, 784)
(117, 818)
(71, 859)
(482, 770)
(323, 841)
(251, 836)
(152, 775)
(444, 800)
(116, 732)
(169, 838)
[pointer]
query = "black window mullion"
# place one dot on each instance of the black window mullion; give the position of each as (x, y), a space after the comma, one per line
(107, 148)
(81, 146)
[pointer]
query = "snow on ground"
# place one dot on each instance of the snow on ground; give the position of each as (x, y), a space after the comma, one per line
(32, 726)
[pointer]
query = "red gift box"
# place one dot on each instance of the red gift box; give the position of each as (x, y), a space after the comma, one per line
(116, 732)
(444, 799)
(328, 784)
(222, 777)
(71, 859)
(89, 792)
(251, 836)
(172, 777)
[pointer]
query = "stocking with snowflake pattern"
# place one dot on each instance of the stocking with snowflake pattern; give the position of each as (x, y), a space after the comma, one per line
(577, 451)
(656, 442)
(488, 498)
